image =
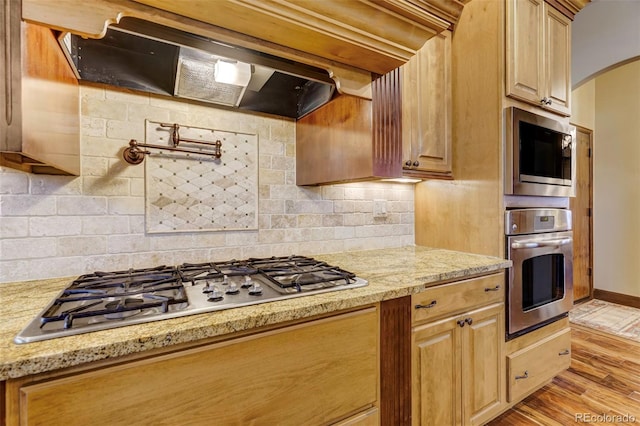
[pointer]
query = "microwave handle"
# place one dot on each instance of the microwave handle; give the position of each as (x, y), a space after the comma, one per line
(545, 243)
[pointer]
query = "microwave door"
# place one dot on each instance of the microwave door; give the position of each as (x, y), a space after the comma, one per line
(541, 155)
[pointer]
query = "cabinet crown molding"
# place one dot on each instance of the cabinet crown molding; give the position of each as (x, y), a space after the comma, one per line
(569, 7)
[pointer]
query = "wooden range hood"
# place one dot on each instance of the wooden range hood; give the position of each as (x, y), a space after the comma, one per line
(350, 39)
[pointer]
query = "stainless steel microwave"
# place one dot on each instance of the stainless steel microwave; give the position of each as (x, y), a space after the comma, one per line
(540, 155)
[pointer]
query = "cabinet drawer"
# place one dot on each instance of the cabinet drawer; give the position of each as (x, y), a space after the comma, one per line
(531, 367)
(460, 296)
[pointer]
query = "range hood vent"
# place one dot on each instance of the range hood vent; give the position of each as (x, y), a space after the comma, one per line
(204, 77)
(144, 56)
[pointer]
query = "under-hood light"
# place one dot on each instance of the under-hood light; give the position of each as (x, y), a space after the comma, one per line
(402, 180)
(205, 77)
(237, 73)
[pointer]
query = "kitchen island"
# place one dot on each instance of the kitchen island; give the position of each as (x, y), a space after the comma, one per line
(350, 316)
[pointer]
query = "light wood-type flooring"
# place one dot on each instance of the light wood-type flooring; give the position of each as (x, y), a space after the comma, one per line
(602, 383)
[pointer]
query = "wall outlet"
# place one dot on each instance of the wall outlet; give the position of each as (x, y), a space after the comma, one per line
(379, 208)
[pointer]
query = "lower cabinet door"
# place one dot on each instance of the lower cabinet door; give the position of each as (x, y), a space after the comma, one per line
(458, 369)
(310, 373)
(436, 374)
(483, 379)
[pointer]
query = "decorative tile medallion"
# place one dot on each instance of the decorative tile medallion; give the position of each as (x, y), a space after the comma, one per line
(188, 192)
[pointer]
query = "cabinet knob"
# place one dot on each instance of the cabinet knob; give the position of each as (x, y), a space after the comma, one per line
(469, 320)
(407, 163)
(416, 163)
(460, 323)
(429, 306)
(545, 101)
(524, 376)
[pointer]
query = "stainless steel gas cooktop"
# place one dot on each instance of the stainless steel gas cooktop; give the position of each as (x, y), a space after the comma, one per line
(103, 300)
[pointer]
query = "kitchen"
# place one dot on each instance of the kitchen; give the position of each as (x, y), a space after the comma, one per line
(100, 220)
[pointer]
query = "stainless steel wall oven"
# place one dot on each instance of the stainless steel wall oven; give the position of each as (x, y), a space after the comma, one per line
(540, 282)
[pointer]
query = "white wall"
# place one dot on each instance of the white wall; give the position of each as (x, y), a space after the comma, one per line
(604, 33)
(583, 105)
(57, 226)
(617, 181)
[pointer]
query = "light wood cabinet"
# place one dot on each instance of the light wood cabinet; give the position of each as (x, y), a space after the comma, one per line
(39, 109)
(458, 368)
(426, 109)
(318, 372)
(446, 299)
(436, 395)
(484, 58)
(403, 131)
(532, 366)
(538, 55)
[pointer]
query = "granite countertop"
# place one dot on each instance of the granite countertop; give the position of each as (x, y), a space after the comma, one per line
(391, 273)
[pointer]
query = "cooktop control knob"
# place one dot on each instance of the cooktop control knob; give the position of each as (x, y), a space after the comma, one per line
(215, 295)
(255, 289)
(248, 282)
(225, 280)
(232, 289)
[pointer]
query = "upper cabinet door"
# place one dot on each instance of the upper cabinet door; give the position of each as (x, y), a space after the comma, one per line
(426, 109)
(524, 50)
(557, 29)
(538, 55)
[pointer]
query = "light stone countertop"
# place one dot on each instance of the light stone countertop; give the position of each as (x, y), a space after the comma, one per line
(391, 273)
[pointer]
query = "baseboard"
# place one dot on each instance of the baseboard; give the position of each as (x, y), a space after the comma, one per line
(619, 298)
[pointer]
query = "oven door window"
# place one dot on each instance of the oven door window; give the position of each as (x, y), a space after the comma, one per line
(544, 153)
(542, 280)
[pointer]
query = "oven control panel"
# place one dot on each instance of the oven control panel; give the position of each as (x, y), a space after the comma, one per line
(544, 223)
(532, 221)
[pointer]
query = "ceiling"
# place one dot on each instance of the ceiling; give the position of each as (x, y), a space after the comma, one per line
(605, 34)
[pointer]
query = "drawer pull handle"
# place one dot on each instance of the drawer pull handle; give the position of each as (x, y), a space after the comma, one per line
(565, 352)
(524, 376)
(429, 306)
(496, 288)
(460, 323)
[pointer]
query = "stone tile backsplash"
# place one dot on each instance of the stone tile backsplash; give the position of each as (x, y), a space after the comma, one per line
(58, 226)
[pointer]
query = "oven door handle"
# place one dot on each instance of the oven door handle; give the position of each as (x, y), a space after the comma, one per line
(544, 243)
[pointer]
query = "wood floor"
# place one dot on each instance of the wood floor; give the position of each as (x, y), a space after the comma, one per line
(602, 383)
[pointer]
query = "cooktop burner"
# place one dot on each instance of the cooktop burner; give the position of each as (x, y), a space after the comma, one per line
(103, 300)
(103, 296)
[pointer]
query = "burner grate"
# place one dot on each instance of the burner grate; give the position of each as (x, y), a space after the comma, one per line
(105, 296)
(299, 272)
(213, 270)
